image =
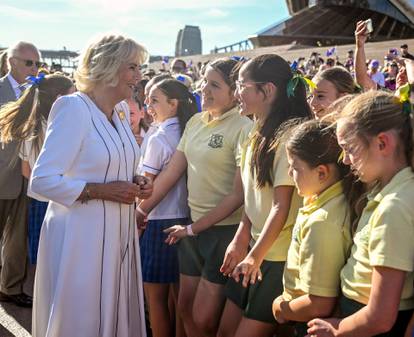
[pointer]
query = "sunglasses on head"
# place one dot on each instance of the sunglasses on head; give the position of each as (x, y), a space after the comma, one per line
(29, 63)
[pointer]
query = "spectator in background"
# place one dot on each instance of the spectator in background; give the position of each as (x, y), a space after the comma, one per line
(330, 62)
(391, 75)
(349, 62)
(178, 66)
(405, 53)
(149, 73)
(23, 61)
(375, 74)
(4, 69)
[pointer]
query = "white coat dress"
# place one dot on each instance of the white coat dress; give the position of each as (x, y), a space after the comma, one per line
(88, 278)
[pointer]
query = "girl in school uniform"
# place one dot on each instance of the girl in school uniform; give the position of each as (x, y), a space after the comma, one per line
(171, 106)
(24, 121)
(270, 199)
(208, 153)
(321, 237)
(375, 131)
(330, 85)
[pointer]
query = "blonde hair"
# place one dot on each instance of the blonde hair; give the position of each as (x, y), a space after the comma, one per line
(100, 62)
(373, 112)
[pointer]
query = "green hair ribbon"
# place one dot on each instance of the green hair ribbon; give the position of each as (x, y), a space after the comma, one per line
(403, 95)
(294, 81)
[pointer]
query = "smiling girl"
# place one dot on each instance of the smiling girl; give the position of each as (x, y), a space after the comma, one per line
(331, 84)
(270, 199)
(171, 105)
(208, 153)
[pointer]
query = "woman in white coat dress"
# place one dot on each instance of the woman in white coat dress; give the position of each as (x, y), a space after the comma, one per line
(88, 278)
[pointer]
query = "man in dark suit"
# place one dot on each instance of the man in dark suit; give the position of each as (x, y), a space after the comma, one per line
(23, 60)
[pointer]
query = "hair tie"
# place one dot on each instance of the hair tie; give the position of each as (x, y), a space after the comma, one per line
(403, 96)
(33, 80)
(294, 81)
(238, 58)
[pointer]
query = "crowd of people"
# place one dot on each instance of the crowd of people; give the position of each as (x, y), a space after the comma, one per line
(241, 197)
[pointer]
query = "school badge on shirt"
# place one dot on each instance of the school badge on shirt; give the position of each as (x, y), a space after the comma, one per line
(216, 141)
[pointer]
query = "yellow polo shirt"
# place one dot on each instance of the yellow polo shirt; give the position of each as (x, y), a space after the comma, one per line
(321, 240)
(211, 150)
(258, 202)
(384, 237)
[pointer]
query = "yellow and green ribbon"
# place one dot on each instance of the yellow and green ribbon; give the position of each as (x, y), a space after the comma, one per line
(295, 80)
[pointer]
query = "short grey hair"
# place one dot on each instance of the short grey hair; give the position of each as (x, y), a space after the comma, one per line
(100, 62)
(14, 49)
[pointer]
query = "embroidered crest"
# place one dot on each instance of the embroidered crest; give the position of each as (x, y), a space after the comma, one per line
(216, 141)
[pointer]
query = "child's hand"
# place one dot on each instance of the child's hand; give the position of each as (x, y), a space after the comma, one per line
(250, 269)
(141, 221)
(234, 254)
(323, 327)
(175, 233)
(145, 186)
(277, 310)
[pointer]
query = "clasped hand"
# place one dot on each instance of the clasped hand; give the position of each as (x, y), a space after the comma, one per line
(250, 269)
(126, 192)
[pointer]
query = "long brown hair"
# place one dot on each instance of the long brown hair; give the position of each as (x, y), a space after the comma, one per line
(23, 119)
(315, 143)
(272, 68)
(187, 105)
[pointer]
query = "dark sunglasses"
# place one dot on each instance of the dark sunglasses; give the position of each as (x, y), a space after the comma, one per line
(29, 63)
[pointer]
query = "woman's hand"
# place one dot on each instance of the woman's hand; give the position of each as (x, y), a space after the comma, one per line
(250, 269)
(175, 233)
(361, 33)
(117, 191)
(323, 327)
(235, 253)
(277, 310)
(145, 186)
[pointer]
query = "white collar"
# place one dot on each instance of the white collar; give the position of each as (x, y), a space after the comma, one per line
(169, 121)
(13, 82)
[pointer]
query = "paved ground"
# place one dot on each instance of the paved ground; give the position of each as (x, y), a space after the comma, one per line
(16, 321)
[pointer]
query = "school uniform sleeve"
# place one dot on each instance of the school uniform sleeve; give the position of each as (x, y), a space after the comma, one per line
(67, 127)
(154, 157)
(322, 256)
(391, 241)
(241, 141)
(183, 141)
(281, 168)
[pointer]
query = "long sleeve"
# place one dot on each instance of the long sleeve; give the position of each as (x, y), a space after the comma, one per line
(67, 126)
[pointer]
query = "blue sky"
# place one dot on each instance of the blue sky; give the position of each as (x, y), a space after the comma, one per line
(52, 24)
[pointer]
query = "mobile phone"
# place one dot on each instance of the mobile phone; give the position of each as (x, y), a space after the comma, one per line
(369, 26)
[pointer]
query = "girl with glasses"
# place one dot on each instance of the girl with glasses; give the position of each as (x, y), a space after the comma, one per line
(256, 256)
(208, 153)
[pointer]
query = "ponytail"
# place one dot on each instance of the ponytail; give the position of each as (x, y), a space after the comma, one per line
(23, 119)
